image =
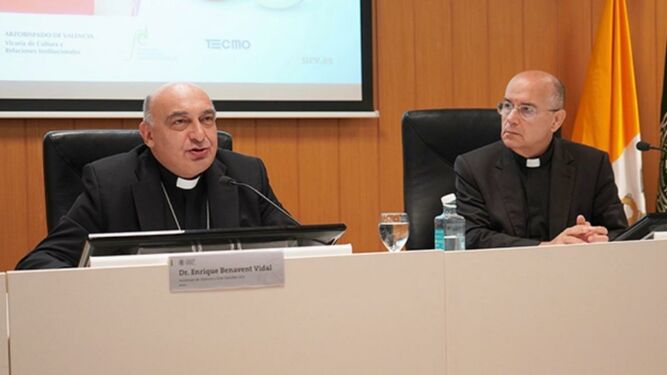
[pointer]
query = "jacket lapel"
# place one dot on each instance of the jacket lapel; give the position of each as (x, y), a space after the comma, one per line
(509, 184)
(223, 198)
(563, 170)
(148, 196)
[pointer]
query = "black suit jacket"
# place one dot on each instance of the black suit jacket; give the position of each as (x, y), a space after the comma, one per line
(122, 193)
(490, 196)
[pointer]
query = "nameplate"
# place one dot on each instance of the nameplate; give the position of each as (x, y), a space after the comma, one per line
(226, 269)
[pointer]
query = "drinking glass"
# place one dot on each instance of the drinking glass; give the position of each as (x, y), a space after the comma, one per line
(394, 230)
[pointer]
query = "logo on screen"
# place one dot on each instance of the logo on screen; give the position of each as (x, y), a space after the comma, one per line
(228, 44)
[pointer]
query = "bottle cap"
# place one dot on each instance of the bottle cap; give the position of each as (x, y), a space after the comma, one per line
(448, 199)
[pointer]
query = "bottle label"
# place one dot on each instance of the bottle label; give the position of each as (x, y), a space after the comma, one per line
(439, 239)
(455, 232)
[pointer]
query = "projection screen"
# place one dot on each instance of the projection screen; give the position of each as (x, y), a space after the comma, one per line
(101, 57)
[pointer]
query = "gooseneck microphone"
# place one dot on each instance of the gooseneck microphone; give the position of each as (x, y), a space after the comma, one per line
(231, 181)
(645, 146)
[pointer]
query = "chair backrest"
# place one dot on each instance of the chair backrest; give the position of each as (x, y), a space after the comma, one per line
(432, 139)
(67, 151)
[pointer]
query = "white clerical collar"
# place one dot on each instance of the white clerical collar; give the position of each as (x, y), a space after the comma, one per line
(187, 184)
(533, 163)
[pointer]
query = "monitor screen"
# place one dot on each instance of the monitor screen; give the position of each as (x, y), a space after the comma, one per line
(178, 241)
(655, 222)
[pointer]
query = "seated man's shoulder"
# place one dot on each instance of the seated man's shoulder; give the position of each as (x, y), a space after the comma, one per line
(120, 164)
(234, 159)
(582, 151)
(483, 154)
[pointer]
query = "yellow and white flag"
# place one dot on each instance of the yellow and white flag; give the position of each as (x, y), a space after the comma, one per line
(608, 117)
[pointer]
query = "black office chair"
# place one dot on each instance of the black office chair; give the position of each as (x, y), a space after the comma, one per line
(432, 139)
(67, 151)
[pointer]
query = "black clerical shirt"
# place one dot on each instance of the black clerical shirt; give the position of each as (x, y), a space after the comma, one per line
(536, 184)
(189, 205)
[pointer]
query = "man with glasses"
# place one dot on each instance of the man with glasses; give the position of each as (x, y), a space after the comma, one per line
(532, 188)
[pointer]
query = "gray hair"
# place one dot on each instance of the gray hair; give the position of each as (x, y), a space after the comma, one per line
(148, 117)
(558, 96)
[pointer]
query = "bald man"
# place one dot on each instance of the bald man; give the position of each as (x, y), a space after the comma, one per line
(176, 180)
(532, 188)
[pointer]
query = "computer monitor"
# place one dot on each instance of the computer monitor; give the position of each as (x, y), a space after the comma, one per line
(654, 222)
(196, 240)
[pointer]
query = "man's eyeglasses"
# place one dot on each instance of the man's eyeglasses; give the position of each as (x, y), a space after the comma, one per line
(526, 111)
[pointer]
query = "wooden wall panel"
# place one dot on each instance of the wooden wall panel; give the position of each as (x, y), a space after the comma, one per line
(470, 54)
(129, 123)
(428, 53)
(433, 54)
(541, 50)
(319, 169)
(277, 146)
(359, 188)
(13, 197)
(575, 42)
(83, 124)
(395, 25)
(658, 24)
(643, 40)
(243, 134)
(504, 39)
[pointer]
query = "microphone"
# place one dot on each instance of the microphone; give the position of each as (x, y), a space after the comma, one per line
(645, 146)
(230, 181)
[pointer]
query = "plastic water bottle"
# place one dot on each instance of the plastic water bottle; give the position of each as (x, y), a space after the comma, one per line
(454, 225)
(439, 228)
